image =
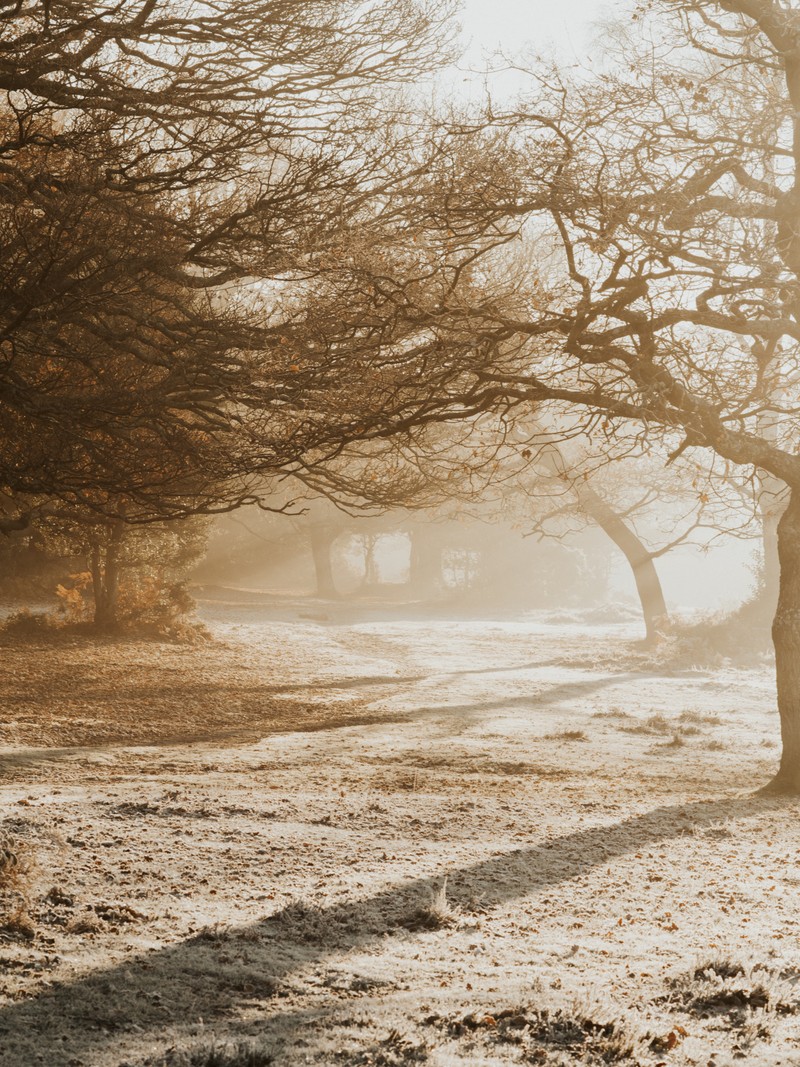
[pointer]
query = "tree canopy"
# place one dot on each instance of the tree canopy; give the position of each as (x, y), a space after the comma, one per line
(166, 172)
(621, 251)
(230, 253)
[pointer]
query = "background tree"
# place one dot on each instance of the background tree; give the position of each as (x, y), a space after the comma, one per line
(476, 468)
(647, 511)
(133, 575)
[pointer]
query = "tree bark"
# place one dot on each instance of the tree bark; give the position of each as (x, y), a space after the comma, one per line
(772, 568)
(322, 537)
(771, 504)
(648, 584)
(786, 638)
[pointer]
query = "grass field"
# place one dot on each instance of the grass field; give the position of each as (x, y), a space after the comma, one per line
(387, 840)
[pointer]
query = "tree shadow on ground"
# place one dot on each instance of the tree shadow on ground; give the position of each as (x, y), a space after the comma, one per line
(204, 977)
(288, 718)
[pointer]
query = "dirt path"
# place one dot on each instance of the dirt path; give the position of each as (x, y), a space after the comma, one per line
(394, 842)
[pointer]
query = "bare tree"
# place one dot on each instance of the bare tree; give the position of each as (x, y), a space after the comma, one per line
(619, 528)
(667, 192)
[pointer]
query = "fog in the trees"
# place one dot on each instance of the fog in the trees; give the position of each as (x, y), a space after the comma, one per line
(399, 533)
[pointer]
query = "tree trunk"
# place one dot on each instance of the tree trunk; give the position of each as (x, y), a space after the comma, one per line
(770, 588)
(96, 567)
(105, 579)
(771, 504)
(425, 563)
(786, 637)
(368, 542)
(322, 537)
(648, 585)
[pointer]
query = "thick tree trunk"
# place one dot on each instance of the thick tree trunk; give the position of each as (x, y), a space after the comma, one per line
(770, 589)
(786, 637)
(771, 503)
(648, 585)
(322, 537)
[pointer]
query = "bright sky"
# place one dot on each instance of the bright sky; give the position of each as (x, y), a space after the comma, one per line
(566, 25)
(565, 29)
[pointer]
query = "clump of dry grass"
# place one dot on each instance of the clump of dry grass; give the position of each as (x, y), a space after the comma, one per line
(726, 986)
(676, 729)
(700, 718)
(241, 1054)
(613, 713)
(676, 741)
(306, 921)
(745, 999)
(396, 1050)
(215, 932)
(585, 1037)
(303, 921)
(654, 724)
(574, 1033)
(436, 914)
(16, 869)
(567, 735)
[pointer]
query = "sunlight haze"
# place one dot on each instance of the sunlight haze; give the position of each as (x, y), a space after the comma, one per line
(399, 533)
(564, 26)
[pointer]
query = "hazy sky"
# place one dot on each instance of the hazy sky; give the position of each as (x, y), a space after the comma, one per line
(564, 28)
(563, 24)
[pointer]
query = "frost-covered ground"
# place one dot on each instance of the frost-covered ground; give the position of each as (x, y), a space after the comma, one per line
(394, 841)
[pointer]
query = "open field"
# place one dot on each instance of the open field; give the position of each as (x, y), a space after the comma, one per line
(391, 841)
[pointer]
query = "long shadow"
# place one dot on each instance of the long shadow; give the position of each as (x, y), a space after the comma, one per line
(254, 693)
(32, 757)
(394, 679)
(555, 694)
(26, 758)
(192, 979)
